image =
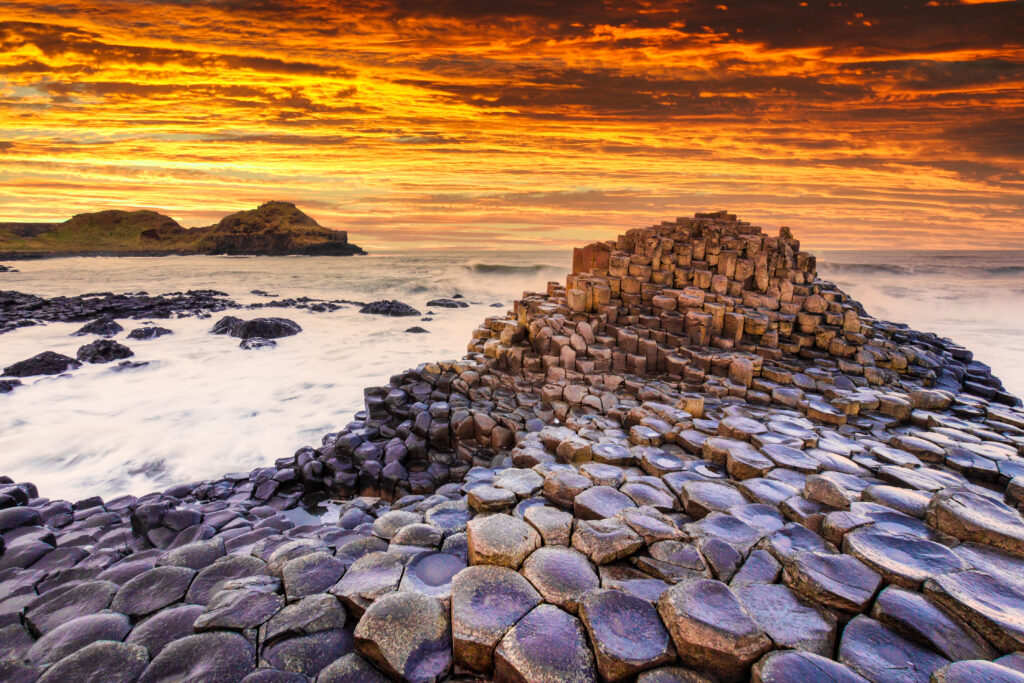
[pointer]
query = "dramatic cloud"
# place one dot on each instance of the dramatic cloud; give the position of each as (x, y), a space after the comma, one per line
(527, 122)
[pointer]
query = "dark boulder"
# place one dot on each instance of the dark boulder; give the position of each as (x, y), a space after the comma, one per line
(148, 332)
(416, 329)
(103, 351)
(45, 363)
(447, 303)
(266, 328)
(104, 327)
(226, 325)
(257, 343)
(7, 385)
(390, 308)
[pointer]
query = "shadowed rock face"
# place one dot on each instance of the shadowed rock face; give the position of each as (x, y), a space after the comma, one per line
(694, 461)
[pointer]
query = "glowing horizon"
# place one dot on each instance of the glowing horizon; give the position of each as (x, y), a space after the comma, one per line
(546, 125)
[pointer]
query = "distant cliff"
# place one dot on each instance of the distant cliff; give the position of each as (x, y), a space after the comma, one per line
(275, 228)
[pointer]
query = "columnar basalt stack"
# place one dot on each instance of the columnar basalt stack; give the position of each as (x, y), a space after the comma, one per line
(695, 461)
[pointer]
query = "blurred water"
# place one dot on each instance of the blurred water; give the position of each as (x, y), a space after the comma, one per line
(203, 406)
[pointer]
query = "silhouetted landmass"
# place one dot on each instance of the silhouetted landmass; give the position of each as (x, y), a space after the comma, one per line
(274, 229)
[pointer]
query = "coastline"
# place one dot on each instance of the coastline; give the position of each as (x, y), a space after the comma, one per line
(678, 415)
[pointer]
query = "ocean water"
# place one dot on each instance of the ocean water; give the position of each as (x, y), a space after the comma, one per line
(203, 406)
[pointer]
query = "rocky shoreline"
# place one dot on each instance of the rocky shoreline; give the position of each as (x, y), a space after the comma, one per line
(693, 461)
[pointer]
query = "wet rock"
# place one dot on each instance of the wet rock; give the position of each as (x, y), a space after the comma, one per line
(490, 499)
(562, 575)
(238, 609)
(710, 629)
(502, 540)
(546, 646)
(992, 607)
(351, 669)
(309, 574)
(553, 525)
(902, 559)
(8, 385)
(369, 577)
(100, 661)
(789, 622)
(626, 633)
(879, 654)
(211, 579)
(407, 635)
(76, 634)
(838, 581)
(103, 351)
(600, 502)
(447, 303)
(151, 332)
(313, 614)
(972, 517)
(104, 327)
(916, 617)
(265, 328)
(196, 555)
(975, 672)
(45, 363)
(214, 656)
(225, 325)
(166, 626)
(308, 654)
(605, 540)
(391, 308)
(795, 666)
(152, 590)
(416, 329)
(50, 610)
(431, 574)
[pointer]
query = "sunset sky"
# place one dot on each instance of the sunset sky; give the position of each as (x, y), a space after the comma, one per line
(523, 123)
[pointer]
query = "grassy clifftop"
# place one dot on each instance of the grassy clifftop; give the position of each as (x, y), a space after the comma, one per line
(275, 228)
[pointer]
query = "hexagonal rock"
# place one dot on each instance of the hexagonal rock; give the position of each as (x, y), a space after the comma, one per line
(307, 654)
(562, 486)
(522, 482)
(918, 618)
(879, 654)
(501, 539)
(651, 525)
(238, 609)
(626, 632)
(50, 610)
(546, 646)
(76, 634)
(562, 575)
(710, 629)
(350, 669)
(976, 671)
(369, 577)
(105, 660)
(486, 602)
(209, 580)
(214, 656)
(700, 498)
(632, 581)
(994, 608)
(838, 581)
(553, 525)
(490, 499)
(795, 666)
(388, 524)
(313, 614)
(600, 502)
(152, 590)
(605, 540)
(902, 559)
(431, 574)
(167, 625)
(407, 635)
(450, 517)
(310, 574)
(787, 621)
(973, 517)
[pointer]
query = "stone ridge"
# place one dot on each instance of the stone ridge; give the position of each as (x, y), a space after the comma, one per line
(695, 461)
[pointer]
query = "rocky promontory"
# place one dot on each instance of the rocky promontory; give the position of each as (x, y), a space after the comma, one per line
(692, 461)
(273, 229)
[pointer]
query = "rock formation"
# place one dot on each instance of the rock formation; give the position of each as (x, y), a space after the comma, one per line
(695, 461)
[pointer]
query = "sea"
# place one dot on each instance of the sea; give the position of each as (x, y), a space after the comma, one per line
(202, 406)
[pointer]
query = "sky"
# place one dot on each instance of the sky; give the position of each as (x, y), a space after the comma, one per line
(871, 124)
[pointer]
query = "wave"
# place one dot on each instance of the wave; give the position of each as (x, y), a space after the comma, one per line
(501, 269)
(1005, 270)
(889, 269)
(920, 269)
